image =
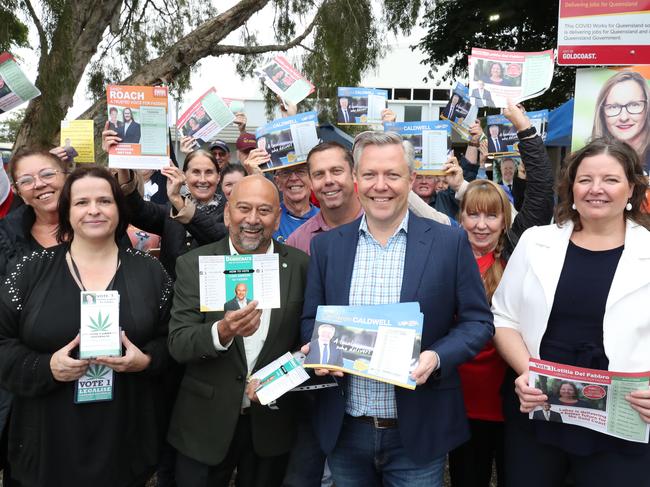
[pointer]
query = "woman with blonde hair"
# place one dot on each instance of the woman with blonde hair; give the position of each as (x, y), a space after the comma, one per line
(486, 216)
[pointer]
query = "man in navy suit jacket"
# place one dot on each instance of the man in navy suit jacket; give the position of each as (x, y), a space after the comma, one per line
(435, 266)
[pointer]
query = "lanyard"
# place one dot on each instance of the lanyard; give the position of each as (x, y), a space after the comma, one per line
(78, 275)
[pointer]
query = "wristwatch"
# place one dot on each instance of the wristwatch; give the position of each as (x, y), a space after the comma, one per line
(529, 132)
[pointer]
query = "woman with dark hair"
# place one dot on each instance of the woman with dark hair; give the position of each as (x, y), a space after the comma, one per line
(486, 216)
(53, 440)
(230, 176)
(576, 292)
(186, 222)
(622, 112)
(568, 395)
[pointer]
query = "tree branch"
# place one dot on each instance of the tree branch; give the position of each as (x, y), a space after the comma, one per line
(42, 36)
(227, 49)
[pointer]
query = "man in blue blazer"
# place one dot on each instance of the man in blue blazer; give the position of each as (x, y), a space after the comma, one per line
(391, 255)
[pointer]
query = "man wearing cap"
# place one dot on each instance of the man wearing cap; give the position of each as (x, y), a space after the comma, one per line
(245, 144)
(221, 152)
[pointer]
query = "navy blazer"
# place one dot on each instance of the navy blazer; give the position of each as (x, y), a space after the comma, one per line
(440, 272)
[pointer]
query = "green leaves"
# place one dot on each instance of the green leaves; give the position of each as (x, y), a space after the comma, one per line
(97, 371)
(100, 324)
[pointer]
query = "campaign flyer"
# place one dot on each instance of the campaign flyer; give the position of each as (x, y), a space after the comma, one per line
(430, 140)
(502, 135)
(288, 140)
(285, 81)
(78, 140)
(139, 116)
(230, 282)
(206, 117)
(279, 377)
(380, 342)
(461, 110)
(590, 398)
(15, 88)
(100, 324)
(360, 106)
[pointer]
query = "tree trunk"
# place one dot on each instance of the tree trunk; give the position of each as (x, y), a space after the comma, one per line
(61, 67)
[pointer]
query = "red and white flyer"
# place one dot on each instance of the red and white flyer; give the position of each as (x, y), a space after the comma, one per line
(601, 33)
(590, 398)
(206, 117)
(499, 75)
(285, 81)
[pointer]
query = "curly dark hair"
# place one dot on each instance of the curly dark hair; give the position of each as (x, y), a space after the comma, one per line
(629, 160)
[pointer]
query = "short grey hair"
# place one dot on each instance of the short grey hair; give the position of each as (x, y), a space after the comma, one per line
(364, 139)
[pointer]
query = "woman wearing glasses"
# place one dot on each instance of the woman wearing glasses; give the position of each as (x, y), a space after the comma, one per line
(622, 113)
(38, 178)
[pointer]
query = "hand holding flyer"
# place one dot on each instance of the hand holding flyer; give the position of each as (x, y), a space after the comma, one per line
(278, 377)
(594, 399)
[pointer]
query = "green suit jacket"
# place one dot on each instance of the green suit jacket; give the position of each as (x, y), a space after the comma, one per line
(209, 400)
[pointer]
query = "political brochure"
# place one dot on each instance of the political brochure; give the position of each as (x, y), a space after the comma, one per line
(380, 342)
(360, 106)
(229, 282)
(502, 135)
(78, 140)
(591, 398)
(15, 88)
(139, 116)
(285, 81)
(603, 33)
(206, 117)
(461, 110)
(517, 75)
(279, 377)
(430, 140)
(100, 325)
(288, 140)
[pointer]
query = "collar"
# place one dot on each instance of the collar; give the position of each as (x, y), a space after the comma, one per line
(363, 226)
(233, 250)
(215, 201)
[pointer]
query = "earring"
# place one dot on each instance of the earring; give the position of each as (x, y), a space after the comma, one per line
(628, 207)
(573, 206)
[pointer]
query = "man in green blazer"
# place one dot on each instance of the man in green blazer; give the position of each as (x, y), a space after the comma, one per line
(217, 424)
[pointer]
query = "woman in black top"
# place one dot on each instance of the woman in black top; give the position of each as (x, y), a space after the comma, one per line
(53, 440)
(576, 293)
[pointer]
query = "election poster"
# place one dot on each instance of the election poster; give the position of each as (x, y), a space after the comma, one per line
(288, 140)
(598, 33)
(510, 74)
(139, 116)
(15, 88)
(360, 106)
(613, 102)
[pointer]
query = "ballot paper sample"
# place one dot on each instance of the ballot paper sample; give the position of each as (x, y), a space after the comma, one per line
(380, 342)
(206, 117)
(100, 324)
(15, 88)
(229, 282)
(79, 136)
(278, 378)
(288, 140)
(431, 142)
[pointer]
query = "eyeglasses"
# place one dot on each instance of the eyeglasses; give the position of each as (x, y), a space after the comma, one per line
(300, 171)
(633, 108)
(28, 181)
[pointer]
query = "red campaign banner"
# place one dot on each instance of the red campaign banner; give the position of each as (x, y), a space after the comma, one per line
(603, 55)
(577, 8)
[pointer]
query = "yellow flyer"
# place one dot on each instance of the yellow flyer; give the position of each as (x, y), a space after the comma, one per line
(78, 139)
(139, 116)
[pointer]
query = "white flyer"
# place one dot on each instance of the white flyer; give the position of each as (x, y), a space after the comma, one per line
(278, 378)
(230, 282)
(100, 325)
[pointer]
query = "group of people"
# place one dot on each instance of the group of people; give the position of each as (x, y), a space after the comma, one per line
(496, 281)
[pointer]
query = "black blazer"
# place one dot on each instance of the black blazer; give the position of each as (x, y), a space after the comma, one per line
(131, 135)
(209, 400)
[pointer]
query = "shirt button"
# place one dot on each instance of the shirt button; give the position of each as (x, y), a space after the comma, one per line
(240, 378)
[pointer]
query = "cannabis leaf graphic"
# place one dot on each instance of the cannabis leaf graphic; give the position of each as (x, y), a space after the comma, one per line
(96, 371)
(100, 324)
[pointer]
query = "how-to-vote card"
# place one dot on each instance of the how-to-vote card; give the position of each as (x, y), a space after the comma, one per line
(230, 282)
(100, 325)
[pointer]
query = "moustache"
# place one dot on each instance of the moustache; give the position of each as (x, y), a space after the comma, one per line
(251, 228)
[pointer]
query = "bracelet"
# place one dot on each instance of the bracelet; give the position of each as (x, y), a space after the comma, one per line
(474, 144)
(529, 132)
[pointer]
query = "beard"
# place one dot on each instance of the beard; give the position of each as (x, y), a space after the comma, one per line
(251, 244)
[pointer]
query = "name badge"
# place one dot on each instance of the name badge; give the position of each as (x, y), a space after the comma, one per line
(96, 385)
